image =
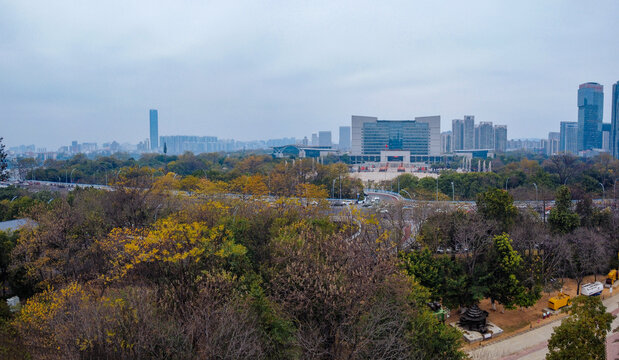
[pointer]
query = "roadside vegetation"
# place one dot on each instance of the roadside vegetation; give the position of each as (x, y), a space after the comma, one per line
(244, 258)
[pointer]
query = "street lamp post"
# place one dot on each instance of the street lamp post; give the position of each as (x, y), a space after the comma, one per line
(333, 189)
(437, 188)
(603, 191)
(534, 184)
(71, 175)
(453, 192)
(340, 187)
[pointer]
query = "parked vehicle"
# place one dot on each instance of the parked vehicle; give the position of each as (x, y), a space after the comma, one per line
(592, 289)
(559, 301)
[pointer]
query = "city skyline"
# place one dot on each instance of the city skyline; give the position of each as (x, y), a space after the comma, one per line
(223, 70)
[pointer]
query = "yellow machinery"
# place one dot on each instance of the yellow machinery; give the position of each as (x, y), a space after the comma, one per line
(559, 301)
(611, 278)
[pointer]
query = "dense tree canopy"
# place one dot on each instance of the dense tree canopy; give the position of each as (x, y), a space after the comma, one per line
(583, 334)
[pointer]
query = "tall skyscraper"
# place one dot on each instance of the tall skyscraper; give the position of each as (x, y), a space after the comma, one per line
(457, 136)
(568, 137)
(486, 135)
(590, 114)
(614, 133)
(314, 139)
(154, 130)
(324, 138)
(500, 138)
(469, 132)
(344, 142)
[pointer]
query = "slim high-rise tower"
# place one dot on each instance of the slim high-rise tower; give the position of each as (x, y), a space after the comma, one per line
(500, 138)
(614, 120)
(590, 113)
(344, 142)
(568, 137)
(154, 130)
(457, 134)
(469, 132)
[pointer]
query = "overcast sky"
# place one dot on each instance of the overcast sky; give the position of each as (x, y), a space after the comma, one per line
(91, 70)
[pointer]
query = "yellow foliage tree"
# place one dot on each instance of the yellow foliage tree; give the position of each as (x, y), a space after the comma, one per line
(171, 246)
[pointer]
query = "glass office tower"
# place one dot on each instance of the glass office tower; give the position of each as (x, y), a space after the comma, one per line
(154, 130)
(403, 135)
(590, 113)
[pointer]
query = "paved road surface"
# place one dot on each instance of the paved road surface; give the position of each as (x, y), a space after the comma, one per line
(532, 345)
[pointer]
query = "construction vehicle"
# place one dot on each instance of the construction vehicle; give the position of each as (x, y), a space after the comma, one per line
(559, 301)
(592, 289)
(611, 278)
(441, 313)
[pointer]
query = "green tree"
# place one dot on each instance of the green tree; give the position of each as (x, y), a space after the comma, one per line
(7, 243)
(3, 164)
(442, 275)
(498, 205)
(562, 219)
(583, 334)
(504, 284)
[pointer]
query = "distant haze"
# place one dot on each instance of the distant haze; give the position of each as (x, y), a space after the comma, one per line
(90, 70)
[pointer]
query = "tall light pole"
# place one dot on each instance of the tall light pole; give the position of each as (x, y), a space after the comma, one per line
(71, 175)
(453, 192)
(437, 188)
(603, 191)
(534, 184)
(340, 187)
(333, 189)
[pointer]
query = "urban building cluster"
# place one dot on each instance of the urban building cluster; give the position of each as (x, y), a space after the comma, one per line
(369, 139)
(465, 135)
(590, 135)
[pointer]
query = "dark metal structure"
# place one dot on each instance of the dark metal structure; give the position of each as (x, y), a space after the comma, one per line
(474, 319)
